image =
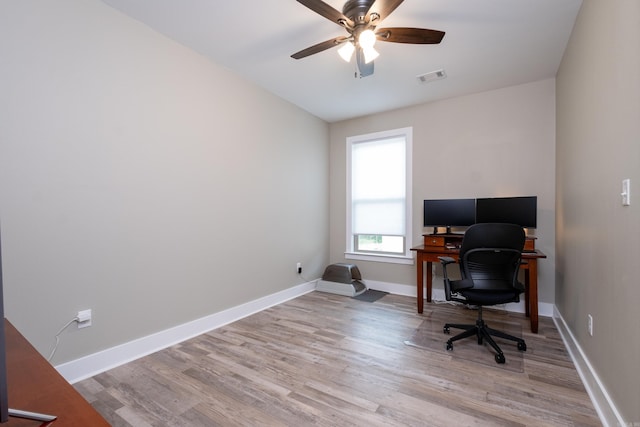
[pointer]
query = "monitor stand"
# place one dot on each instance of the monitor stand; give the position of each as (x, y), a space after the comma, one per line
(447, 231)
(31, 415)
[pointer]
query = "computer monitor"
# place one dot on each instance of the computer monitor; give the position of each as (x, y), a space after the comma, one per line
(513, 210)
(449, 213)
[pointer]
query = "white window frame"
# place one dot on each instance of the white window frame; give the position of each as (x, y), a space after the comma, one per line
(407, 256)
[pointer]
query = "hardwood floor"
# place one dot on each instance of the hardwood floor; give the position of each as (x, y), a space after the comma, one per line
(329, 360)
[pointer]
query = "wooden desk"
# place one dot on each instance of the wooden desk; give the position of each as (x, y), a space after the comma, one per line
(34, 385)
(430, 253)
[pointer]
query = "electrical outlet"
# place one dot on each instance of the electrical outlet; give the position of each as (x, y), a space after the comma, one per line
(299, 268)
(84, 318)
(590, 324)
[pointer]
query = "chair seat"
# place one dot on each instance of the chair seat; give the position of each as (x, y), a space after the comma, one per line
(479, 297)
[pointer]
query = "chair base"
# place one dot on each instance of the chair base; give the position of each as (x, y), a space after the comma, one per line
(483, 333)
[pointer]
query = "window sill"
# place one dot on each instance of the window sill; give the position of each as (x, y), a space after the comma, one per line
(392, 259)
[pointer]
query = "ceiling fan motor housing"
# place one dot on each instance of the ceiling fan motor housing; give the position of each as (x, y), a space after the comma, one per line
(356, 10)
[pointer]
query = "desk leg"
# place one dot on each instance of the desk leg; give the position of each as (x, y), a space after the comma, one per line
(527, 290)
(429, 280)
(533, 294)
(420, 283)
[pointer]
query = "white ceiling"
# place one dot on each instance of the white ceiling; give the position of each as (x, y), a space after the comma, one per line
(488, 44)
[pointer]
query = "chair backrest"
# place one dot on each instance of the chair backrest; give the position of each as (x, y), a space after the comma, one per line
(490, 256)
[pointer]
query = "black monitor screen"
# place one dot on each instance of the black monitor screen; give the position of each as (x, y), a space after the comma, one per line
(449, 212)
(513, 210)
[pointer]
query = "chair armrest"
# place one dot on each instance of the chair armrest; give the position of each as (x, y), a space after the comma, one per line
(444, 260)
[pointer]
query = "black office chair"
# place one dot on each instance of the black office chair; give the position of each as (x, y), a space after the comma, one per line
(489, 263)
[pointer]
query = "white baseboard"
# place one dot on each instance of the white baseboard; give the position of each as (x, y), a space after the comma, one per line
(93, 364)
(606, 409)
(392, 288)
(544, 308)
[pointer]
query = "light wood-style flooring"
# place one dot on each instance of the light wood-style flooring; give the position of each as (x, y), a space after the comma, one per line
(329, 360)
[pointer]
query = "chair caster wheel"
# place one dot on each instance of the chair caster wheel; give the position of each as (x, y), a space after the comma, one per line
(446, 330)
(522, 346)
(449, 346)
(500, 358)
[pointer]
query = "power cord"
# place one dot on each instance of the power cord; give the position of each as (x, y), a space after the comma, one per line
(439, 301)
(302, 277)
(55, 347)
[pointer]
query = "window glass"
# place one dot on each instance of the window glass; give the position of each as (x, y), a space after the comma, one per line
(378, 191)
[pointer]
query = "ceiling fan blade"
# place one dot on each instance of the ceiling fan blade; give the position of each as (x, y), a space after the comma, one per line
(323, 9)
(319, 47)
(384, 7)
(409, 35)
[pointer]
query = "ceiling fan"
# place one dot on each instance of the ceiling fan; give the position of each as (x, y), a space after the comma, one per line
(360, 18)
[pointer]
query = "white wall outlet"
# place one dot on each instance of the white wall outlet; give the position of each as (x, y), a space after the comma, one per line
(299, 268)
(590, 324)
(84, 318)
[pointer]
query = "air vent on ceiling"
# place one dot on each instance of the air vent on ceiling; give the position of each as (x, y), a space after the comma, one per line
(431, 76)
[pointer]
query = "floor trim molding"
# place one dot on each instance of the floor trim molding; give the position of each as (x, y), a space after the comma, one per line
(93, 364)
(544, 308)
(606, 409)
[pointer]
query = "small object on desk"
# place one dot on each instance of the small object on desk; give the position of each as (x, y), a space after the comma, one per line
(36, 416)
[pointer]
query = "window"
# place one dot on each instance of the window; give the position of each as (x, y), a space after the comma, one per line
(379, 196)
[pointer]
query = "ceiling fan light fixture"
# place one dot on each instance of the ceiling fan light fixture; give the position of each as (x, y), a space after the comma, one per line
(367, 39)
(346, 51)
(369, 54)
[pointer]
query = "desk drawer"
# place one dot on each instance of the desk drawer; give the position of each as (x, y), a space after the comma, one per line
(433, 241)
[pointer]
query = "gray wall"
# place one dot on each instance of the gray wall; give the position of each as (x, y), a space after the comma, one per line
(598, 240)
(497, 143)
(142, 181)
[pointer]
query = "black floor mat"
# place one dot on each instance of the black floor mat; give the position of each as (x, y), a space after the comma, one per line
(370, 295)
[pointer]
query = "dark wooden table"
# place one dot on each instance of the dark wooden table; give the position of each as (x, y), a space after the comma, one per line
(430, 254)
(34, 385)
